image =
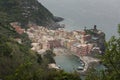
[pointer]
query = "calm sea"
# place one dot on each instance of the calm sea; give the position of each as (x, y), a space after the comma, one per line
(80, 13)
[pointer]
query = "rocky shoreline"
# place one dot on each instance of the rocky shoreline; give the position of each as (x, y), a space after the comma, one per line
(54, 25)
(58, 19)
(88, 60)
(81, 43)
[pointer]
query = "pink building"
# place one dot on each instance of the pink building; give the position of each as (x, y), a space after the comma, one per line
(80, 49)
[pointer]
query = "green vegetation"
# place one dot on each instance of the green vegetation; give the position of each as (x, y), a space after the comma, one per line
(24, 11)
(13, 55)
(17, 61)
(49, 55)
(111, 60)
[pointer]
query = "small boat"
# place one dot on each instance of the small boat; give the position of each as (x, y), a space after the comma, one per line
(80, 68)
(82, 64)
(59, 66)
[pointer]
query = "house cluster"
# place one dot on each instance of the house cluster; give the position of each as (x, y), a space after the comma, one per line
(76, 41)
(17, 27)
(79, 42)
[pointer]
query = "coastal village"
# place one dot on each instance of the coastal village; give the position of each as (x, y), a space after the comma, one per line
(76, 41)
(79, 42)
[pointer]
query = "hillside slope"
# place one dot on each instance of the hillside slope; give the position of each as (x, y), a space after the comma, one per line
(26, 11)
(17, 61)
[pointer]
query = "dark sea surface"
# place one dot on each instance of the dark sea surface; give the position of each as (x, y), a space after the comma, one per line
(80, 13)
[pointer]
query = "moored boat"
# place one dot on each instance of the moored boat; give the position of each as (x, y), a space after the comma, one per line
(80, 68)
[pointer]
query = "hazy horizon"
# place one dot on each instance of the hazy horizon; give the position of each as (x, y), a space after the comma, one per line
(79, 13)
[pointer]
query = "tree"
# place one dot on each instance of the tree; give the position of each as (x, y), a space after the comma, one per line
(111, 59)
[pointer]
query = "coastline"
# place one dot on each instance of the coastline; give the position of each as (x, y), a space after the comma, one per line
(58, 19)
(55, 25)
(87, 60)
(68, 43)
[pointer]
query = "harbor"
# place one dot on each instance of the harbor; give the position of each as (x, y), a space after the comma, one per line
(72, 48)
(70, 62)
